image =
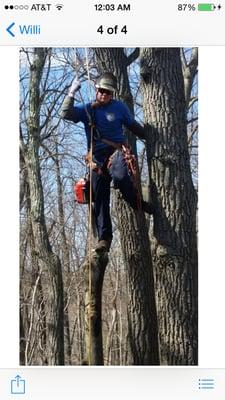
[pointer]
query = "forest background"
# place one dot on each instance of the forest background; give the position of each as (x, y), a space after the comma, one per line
(150, 298)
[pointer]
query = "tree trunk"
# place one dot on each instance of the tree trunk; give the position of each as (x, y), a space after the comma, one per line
(142, 320)
(93, 307)
(50, 263)
(174, 244)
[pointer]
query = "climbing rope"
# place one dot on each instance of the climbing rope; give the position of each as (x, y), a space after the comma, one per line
(90, 251)
(90, 216)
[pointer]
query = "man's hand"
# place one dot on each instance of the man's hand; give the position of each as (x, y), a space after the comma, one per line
(75, 86)
(137, 130)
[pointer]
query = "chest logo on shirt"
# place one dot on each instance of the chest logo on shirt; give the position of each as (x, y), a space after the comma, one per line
(110, 117)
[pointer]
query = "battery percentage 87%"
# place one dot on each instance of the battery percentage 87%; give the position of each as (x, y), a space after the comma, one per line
(186, 7)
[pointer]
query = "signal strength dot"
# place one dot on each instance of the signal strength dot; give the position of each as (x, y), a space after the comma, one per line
(59, 6)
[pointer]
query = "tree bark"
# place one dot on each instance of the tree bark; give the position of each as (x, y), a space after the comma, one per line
(93, 307)
(174, 241)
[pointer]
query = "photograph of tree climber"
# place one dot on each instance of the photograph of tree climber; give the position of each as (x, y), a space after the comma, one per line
(110, 156)
(132, 300)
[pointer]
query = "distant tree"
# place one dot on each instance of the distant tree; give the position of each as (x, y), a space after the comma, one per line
(48, 263)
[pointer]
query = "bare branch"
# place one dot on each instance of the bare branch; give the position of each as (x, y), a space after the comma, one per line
(133, 56)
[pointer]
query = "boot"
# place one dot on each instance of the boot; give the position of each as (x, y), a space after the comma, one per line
(103, 245)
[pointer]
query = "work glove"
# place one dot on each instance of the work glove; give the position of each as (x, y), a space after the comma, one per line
(137, 130)
(75, 86)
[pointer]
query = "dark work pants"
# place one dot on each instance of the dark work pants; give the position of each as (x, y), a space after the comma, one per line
(119, 174)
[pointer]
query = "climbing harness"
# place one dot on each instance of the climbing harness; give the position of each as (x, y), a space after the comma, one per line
(131, 162)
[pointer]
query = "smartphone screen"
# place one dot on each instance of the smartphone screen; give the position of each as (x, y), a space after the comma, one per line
(112, 200)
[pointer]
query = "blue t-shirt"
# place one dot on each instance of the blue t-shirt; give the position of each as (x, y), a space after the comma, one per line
(109, 120)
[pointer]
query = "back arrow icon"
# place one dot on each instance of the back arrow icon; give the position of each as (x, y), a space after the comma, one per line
(9, 29)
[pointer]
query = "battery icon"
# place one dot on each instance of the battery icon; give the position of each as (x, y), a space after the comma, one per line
(206, 7)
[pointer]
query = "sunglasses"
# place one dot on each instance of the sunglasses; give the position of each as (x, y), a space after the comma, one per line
(102, 91)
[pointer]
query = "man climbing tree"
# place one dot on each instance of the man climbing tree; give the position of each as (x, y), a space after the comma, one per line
(111, 157)
(141, 341)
